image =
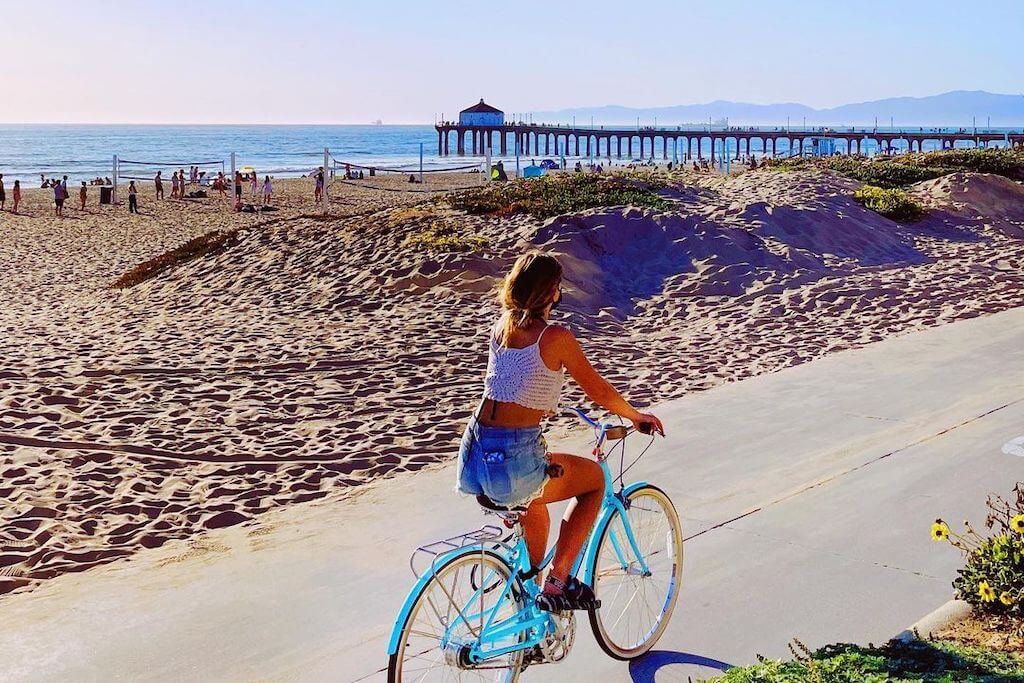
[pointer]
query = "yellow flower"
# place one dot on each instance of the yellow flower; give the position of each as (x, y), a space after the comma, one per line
(1017, 524)
(1006, 598)
(986, 592)
(940, 531)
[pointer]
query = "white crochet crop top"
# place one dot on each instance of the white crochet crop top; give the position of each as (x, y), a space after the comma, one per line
(520, 376)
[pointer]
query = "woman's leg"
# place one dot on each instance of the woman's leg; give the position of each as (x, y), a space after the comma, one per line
(581, 479)
(536, 524)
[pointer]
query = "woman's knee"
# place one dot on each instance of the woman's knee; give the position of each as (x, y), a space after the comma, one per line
(585, 473)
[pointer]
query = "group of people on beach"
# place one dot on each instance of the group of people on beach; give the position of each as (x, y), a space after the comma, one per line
(178, 182)
(16, 191)
(254, 188)
(61, 194)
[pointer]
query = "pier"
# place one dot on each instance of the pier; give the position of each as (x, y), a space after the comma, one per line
(544, 139)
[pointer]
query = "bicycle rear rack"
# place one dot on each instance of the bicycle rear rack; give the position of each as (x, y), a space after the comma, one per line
(429, 552)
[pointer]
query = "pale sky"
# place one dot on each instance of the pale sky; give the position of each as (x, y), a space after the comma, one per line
(403, 61)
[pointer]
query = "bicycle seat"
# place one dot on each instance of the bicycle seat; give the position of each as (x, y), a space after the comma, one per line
(488, 504)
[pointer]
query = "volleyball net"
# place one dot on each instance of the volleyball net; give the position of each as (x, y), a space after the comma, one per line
(355, 173)
(201, 172)
(128, 169)
(377, 178)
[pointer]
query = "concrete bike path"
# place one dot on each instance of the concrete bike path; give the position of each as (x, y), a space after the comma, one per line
(807, 496)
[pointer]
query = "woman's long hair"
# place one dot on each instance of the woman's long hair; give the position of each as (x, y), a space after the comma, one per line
(528, 289)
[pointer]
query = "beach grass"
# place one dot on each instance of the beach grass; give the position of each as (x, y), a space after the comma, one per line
(197, 247)
(444, 237)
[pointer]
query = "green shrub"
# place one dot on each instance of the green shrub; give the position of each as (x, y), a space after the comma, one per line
(441, 237)
(906, 169)
(931, 661)
(1000, 161)
(887, 173)
(561, 193)
(892, 203)
(992, 578)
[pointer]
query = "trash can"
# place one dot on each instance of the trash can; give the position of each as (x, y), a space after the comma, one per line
(106, 194)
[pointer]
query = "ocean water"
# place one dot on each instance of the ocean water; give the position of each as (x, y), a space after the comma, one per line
(85, 151)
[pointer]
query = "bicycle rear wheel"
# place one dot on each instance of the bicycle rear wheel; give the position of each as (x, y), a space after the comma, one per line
(452, 601)
(636, 605)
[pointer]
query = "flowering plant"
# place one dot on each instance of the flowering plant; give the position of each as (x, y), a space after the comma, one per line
(992, 578)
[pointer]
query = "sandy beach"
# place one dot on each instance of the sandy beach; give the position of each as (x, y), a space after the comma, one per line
(315, 354)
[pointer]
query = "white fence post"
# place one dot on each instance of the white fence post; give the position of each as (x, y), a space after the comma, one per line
(487, 159)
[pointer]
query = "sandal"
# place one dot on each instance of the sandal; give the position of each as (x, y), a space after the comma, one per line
(571, 595)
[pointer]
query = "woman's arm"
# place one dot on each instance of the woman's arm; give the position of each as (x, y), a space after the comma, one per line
(600, 391)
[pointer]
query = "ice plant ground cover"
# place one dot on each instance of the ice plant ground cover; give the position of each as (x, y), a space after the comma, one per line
(563, 193)
(917, 661)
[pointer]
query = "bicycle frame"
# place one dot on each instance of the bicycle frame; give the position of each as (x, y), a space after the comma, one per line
(534, 623)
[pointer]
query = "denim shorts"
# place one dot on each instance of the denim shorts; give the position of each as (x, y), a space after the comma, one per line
(507, 464)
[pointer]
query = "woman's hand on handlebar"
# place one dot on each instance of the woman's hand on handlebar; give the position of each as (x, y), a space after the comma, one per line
(647, 423)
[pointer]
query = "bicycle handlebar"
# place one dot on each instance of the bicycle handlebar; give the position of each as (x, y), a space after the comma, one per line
(646, 428)
(586, 418)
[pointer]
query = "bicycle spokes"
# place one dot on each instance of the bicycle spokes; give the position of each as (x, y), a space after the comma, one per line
(636, 573)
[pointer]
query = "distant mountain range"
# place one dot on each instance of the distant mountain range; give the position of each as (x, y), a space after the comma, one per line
(954, 108)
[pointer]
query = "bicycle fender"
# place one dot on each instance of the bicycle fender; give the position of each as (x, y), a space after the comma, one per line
(403, 614)
(586, 560)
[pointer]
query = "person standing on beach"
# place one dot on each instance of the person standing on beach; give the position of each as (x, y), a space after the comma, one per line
(3, 193)
(254, 185)
(83, 192)
(268, 191)
(219, 184)
(133, 198)
(318, 190)
(59, 195)
(503, 458)
(174, 185)
(158, 184)
(238, 186)
(16, 194)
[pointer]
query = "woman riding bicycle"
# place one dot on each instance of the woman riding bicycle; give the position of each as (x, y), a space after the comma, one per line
(503, 455)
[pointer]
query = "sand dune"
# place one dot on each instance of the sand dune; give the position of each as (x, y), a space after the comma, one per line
(314, 355)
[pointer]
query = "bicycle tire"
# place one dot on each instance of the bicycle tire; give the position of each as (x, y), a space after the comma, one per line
(598, 618)
(396, 660)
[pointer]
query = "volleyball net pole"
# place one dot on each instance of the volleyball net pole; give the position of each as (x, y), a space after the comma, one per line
(113, 192)
(326, 200)
(421, 163)
(231, 183)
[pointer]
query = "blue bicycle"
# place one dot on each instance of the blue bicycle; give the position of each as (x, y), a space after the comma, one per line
(472, 614)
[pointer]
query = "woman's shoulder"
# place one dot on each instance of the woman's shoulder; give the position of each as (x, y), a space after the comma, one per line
(556, 333)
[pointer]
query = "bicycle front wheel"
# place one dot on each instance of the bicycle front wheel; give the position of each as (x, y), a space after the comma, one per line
(637, 598)
(447, 617)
